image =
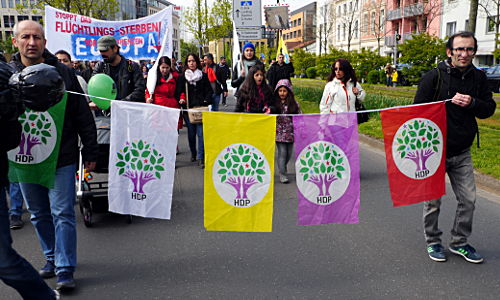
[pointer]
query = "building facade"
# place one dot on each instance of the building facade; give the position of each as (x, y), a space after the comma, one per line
(155, 6)
(372, 29)
(302, 31)
(9, 16)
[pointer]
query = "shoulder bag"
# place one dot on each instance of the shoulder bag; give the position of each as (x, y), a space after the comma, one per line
(195, 114)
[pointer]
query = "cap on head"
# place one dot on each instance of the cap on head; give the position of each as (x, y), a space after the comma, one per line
(105, 42)
(284, 82)
(249, 45)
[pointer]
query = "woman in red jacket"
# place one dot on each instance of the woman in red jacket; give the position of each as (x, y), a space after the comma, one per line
(166, 83)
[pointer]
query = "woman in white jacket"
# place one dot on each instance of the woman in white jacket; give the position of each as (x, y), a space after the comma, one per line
(341, 90)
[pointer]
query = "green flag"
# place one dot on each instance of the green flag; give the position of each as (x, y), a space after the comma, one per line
(35, 159)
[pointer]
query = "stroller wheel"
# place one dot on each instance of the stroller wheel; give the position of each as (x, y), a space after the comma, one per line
(87, 217)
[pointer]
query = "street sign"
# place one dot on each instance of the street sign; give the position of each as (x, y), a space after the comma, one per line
(249, 34)
(247, 13)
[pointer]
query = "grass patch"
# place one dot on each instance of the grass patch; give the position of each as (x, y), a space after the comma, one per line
(308, 93)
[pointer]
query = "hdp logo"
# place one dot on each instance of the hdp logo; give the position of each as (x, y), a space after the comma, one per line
(241, 175)
(38, 138)
(417, 148)
(323, 172)
(141, 163)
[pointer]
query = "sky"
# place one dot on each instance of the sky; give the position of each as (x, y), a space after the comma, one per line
(294, 4)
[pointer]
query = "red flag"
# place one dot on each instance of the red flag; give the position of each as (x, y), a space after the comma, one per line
(415, 149)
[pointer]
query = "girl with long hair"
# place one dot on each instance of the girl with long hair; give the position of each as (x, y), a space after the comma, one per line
(285, 104)
(254, 95)
(342, 89)
(193, 88)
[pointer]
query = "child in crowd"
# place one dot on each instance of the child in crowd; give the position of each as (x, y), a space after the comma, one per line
(285, 104)
(254, 95)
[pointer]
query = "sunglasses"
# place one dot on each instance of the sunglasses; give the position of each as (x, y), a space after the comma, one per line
(337, 69)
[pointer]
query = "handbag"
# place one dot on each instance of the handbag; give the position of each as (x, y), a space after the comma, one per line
(364, 116)
(195, 114)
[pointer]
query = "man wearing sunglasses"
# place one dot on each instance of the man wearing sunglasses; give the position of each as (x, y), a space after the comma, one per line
(457, 79)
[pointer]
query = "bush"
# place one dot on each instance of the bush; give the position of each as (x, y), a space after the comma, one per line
(382, 76)
(373, 77)
(308, 94)
(311, 72)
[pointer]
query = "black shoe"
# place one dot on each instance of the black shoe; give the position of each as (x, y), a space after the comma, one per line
(436, 252)
(468, 253)
(16, 222)
(201, 163)
(193, 158)
(65, 281)
(49, 270)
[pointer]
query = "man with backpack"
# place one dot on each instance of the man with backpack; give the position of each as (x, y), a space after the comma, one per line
(125, 73)
(217, 79)
(457, 79)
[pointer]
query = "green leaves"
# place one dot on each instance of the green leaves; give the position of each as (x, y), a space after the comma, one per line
(140, 156)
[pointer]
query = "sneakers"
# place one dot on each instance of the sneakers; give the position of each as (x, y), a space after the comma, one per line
(16, 222)
(436, 252)
(283, 178)
(468, 253)
(49, 270)
(65, 281)
(201, 163)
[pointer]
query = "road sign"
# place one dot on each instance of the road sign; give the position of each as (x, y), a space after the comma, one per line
(249, 34)
(247, 13)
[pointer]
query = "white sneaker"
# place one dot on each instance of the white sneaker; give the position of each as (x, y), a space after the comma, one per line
(283, 178)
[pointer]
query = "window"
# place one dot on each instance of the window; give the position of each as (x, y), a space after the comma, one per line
(294, 34)
(466, 25)
(338, 32)
(382, 20)
(339, 11)
(350, 6)
(294, 23)
(22, 18)
(374, 25)
(300, 21)
(365, 24)
(356, 29)
(4, 4)
(299, 34)
(345, 8)
(490, 26)
(37, 19)
(11, 4)
(451, 28)
(343, 32)
(9, 21)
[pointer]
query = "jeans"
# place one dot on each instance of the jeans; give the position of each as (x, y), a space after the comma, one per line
(15, 271)
(215, 102)
(53, 216)
(461, 174)
(284, 155)
(389, 81)
(193, 131)
(16, 199)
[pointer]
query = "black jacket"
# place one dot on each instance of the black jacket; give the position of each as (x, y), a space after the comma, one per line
(10, 135)
(237, 80)
(78, 119)
(226, 71)
(131, 85)
(461, 122)
(199, 94)
(277, 72)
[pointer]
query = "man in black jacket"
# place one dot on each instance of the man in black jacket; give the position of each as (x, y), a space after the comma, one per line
(457, 79)
(15, 271)
(52, 210)
(126, 74)
(279, 70)
(217, 78)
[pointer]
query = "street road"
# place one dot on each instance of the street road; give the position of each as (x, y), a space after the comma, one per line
(382, 257)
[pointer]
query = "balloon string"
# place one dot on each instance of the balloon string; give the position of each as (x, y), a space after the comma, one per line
(355, 112)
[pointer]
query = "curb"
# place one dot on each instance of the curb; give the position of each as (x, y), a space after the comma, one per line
(483, 181)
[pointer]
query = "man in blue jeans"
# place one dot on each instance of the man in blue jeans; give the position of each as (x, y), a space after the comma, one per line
(16, 206)
(52, 210)
(458, 79)
(15, 271)
(217, 78)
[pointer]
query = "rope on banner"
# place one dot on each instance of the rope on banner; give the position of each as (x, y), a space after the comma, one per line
(290, 115)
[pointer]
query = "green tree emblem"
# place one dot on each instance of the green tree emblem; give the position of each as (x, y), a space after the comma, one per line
(141, 163)
(241, 167)
(322, 165)
(36, 129)
(418, 141)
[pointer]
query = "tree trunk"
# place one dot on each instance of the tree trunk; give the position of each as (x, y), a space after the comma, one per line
(473, 15)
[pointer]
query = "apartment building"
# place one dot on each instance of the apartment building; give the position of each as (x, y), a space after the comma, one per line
(155, 6)
(9, 15)
(302, 31)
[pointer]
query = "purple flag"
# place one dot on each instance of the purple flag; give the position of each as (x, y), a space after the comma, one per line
(327, 167)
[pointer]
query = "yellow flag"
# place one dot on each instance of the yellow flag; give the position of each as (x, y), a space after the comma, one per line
(282, 49)
(239, 171)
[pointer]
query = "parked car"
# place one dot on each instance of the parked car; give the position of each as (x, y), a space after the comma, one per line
(493, 75)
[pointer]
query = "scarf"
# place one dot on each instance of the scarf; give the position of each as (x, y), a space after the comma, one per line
(248, 64)
(193, 77)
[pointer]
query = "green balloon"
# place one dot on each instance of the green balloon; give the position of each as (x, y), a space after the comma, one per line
(101, 85)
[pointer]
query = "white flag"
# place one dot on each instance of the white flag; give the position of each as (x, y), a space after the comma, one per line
(152, 74)
(236, 50)
(142, 159)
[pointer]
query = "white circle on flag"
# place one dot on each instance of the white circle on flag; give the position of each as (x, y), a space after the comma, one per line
(241, 175)
(323, 172)
(417, 148)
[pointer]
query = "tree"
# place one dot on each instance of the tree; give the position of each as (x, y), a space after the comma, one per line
(348, 22)
(325, 28)
(322, 165)
(141, 163)
(422, 52)
(492, 10)
(418, 143)
(377, 21)
(195, 22)
(99, 9)
(241, 168)
(303, 60)
(474, 4)
(365, 61)
(188, 47)
(36, 129)
(7, 46)
(220, 21)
